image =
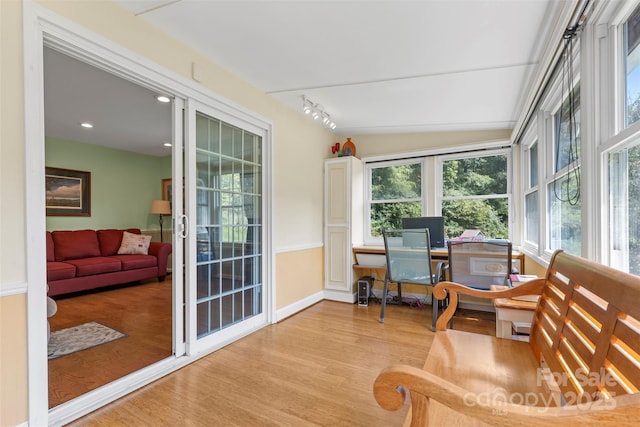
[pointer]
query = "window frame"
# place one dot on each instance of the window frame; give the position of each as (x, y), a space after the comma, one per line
(552, 175)
(542, 129)
(369, 239)
(529, 139)
(439, 190)
(610, 84)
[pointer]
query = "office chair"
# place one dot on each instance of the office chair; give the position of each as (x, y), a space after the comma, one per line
(408, 254)
(480, 264)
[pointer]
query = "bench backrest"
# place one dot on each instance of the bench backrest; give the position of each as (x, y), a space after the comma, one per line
(586, 329)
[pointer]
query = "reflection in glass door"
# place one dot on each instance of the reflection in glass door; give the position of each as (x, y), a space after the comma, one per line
(228, 225)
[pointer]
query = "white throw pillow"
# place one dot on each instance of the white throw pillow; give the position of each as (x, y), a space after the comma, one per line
(134, 244)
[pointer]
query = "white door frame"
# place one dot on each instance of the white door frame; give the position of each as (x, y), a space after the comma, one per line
(40, 27)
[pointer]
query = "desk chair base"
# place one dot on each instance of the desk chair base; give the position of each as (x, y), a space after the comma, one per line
(435, 304)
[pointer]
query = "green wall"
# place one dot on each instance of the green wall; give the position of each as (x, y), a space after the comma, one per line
(123, 184)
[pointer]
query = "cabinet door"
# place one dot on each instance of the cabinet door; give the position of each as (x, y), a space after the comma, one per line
(337, 193)
(336, 259)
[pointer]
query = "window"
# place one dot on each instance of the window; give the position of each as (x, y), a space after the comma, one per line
(395, 193)
(588, 178)
(475, 194)
(563, 188)
(632, 68)
(551, 156)
(624, 205)
(622, 157)
(531, 199)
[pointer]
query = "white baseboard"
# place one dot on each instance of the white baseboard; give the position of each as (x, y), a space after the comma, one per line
(297, 306)
(340, 296)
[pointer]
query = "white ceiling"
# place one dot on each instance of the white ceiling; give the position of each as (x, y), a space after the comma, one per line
(124, 115)
(375, 66)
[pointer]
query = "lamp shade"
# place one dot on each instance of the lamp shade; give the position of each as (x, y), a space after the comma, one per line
(162, 207)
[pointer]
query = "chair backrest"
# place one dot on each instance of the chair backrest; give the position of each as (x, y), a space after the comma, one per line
(408, 253)
(480, 264)
(586, 329)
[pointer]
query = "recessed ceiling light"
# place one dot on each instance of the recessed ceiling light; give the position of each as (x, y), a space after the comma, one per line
(167, 144)
(163, 98)
(86, 125)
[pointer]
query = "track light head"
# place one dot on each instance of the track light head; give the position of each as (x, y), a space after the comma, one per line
(317, 112)
(307, 106)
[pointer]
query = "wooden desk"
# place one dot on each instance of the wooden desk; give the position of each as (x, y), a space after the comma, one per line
(510, 310)
(438, 254)
(375, 267)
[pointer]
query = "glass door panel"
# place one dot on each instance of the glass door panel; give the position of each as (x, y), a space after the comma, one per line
(228, 210)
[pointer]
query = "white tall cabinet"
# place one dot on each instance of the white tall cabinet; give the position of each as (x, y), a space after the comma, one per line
(343, 225)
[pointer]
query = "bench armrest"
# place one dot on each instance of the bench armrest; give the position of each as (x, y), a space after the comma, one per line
(390, 385)
(532, 287)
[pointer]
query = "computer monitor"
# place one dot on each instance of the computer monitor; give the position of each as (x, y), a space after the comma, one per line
(435, 224)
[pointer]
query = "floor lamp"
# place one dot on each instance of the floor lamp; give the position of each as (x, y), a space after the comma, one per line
(161, 207)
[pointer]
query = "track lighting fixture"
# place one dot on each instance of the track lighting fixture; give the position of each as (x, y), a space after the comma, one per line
(317, 112)
(307, 106)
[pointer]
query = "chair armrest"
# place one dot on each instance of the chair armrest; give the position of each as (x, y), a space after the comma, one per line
(441, 267)
(161, 251)
(532, 287)
(390, 385)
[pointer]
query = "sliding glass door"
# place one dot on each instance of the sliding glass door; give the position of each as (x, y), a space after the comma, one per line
(225, 199)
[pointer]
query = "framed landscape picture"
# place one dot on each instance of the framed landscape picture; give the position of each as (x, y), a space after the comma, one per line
(68, 192)
(166, 189)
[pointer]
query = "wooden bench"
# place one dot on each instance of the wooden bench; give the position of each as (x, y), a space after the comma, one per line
(580, 367)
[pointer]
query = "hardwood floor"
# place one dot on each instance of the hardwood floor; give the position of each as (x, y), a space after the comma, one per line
(142, 311)
(315, 368)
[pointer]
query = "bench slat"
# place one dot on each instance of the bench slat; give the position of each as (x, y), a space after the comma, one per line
(584, 349)
(555, 292)
(547, 308)
(549, 325)
(583, 326)
(590, 303)
(625, 332)
(617, 358)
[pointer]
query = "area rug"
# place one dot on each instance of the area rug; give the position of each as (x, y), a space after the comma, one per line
(81, 337)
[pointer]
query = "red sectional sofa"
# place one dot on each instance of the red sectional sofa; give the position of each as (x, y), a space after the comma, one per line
(87, 259)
